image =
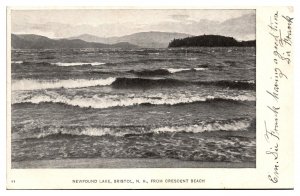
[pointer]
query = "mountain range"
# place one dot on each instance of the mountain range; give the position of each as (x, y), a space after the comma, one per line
(151, 39)
(31, 41)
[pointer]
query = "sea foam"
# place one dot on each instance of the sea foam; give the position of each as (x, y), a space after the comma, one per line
(221, 125)
(46, 84)
(17, 62)
(109, 101)
(77, 64)
(176, 70)
(238, 124)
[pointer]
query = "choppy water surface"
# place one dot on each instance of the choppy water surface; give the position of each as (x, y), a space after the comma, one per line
(195, 104)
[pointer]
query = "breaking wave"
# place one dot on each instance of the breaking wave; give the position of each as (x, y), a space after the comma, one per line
(168, 82)
(164, 71)
(145, 83)
(79, 83)
(217, 125)
(241, 84)
(124, 82)
(36, 131)
(108, 101)
(17, 62)
(175, 70)
(156, 72)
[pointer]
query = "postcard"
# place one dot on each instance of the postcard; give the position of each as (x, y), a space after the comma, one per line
(150, 98)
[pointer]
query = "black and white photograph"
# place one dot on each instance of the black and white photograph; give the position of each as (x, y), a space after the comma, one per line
(133, 88)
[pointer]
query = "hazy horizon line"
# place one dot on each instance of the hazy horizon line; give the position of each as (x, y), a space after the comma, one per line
(58, 38)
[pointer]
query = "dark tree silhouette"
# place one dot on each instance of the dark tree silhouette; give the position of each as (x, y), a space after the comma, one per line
(210, 41)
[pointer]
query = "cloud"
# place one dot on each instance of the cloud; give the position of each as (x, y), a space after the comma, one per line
(59, 30)
(241, 28)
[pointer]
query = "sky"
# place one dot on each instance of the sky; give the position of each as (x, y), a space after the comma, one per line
(118, 22)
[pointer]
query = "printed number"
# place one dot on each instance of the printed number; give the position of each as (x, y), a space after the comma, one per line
(13, 181)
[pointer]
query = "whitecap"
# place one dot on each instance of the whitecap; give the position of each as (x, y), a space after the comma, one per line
(109, 101)
(17, 62)
(77, 64)
(224, 125)
(48, 84)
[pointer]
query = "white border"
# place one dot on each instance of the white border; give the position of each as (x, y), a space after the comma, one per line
(128, 3)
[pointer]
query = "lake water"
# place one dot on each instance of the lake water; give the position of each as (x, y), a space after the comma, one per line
(195, 104)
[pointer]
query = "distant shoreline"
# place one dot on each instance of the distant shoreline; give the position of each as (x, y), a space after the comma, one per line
(134, 41)
(126, 163)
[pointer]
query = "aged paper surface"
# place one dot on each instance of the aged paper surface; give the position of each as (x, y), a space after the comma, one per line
(118, 111)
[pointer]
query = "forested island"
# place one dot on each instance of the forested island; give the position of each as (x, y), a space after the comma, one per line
(210, 41)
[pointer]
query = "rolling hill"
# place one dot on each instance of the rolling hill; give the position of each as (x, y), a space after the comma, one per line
(31, 41)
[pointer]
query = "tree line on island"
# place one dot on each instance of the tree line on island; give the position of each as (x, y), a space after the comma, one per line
(210, 41)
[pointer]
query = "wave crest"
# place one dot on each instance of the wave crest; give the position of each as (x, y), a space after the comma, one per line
(168, 82)
(16, 62)
(36, 131)
(218, 125)
(109, 101)
(175, 70)
(77, 64)
(145, 83)
(241, 84)
(156, 72)
(127, 82)
(164, 71)
(79, 83)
